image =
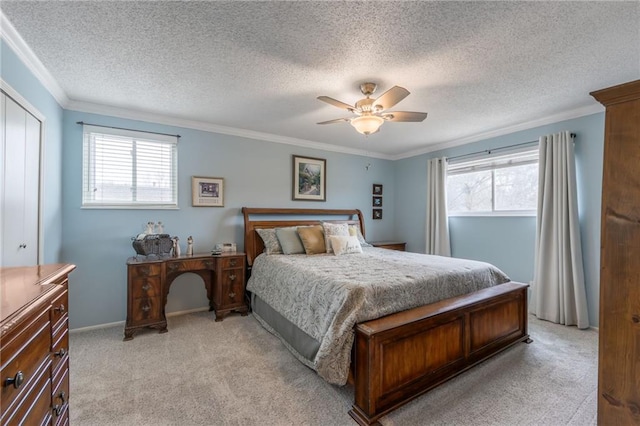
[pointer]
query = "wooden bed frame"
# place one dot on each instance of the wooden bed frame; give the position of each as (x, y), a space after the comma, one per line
(401, 356)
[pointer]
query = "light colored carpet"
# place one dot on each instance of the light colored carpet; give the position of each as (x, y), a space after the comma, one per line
(235, 373)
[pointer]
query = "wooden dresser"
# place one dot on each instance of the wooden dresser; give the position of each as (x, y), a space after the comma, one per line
(34, 345)
(149, 282)
(619, 349)
(391, 245)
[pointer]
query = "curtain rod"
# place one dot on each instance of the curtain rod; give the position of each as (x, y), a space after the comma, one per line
(489, 151)
(123, 128)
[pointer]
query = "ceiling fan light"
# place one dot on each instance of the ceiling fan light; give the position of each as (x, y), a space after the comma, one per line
(367, 124)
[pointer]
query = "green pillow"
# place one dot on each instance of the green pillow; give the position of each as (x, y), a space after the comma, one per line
(289, 240)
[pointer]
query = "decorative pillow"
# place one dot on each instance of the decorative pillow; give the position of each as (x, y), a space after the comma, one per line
(345, 245)
(331, 229)
(312, 239)
(354, 231)
(289, 240)
(271, 244)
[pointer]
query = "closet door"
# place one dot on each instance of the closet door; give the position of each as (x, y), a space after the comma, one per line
(20, 184)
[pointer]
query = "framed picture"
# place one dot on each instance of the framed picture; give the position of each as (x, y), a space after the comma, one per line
(309, 179)
(377, 189)
(377, 201)
(377, 213)
(207, 191)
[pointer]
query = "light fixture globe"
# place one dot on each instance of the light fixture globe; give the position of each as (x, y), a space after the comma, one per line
(367, 124)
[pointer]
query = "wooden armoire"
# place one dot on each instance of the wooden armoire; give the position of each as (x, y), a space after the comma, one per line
(619, 350)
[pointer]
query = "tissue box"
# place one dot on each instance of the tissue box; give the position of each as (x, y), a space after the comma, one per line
(224, 248)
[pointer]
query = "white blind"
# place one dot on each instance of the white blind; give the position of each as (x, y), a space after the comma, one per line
(124, 169)
(497, 161)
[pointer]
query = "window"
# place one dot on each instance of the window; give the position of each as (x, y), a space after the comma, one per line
(504, 184)
(129, 169)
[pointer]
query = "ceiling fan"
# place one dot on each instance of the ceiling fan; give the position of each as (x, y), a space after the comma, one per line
(370, 113)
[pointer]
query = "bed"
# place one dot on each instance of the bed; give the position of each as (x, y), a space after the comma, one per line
(393, 353)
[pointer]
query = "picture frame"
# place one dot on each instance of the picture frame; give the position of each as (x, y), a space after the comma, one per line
(377, 189)
(309, 179)
(377, 214)
(207, 191)
(377, 201)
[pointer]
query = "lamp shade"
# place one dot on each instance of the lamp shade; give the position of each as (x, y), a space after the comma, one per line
(367, 124)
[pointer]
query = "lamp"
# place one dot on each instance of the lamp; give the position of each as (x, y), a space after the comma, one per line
(367, 124)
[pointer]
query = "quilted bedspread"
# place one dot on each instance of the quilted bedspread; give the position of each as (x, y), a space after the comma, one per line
(326, 295)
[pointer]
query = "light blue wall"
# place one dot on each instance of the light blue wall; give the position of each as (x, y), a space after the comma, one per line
(508, 242)
(256, 173)
(16, 74)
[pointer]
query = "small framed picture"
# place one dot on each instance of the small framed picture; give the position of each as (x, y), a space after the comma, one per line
(377, 201)
(377, 189)
(377, 213)
(309, 179)
(207, 191)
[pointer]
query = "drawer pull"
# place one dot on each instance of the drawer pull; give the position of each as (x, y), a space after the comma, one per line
(232, 295)
(233, 262)
(174, 267)
(60, 309)
(146, 287)
(16, 380)
(146, 308)
(208, 264)
(57, 409)
(61, 353)
(232, 277)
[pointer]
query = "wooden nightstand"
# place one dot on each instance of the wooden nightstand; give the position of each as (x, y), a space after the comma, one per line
(391, 245)
(148, 283)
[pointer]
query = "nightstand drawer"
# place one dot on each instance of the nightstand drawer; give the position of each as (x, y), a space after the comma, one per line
(190, 265)
(231, 276)
(145, 287)
(146, 270)
(390, 245)
(232, 262)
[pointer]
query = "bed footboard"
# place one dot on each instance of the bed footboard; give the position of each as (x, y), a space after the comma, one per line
(403, 355)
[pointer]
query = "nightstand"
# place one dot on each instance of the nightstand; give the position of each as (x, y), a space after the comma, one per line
(148, 282)
(391, 245)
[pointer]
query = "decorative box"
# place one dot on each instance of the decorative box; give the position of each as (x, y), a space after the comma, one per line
(153, 244)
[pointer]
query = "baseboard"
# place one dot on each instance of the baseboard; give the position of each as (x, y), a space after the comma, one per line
(121, 323)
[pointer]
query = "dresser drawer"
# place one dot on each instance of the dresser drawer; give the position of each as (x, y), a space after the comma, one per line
(33, 407)
(232, 262)
(146, 310)
(59, 309)
(60, 395)
(60, 348)
(146, 270)
(232, 294)
(190, 265)
(22, 356)
(232, 276)
(146, 287)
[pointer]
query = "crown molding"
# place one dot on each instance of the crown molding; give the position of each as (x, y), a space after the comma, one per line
(15, 41)
(130, 114)
(556, 118)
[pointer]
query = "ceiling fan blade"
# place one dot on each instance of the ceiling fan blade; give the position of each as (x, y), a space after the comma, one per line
(336, 103)
(391, 97)
(337, 120)
(404, 116)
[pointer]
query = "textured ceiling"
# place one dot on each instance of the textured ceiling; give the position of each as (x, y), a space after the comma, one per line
(475, 67)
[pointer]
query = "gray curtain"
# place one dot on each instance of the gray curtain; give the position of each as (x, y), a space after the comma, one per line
(437, 225)
(558, 292)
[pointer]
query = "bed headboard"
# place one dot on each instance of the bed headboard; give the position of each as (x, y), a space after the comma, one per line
(253, 244)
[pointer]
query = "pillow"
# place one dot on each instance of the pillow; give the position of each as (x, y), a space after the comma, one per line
(331, 229)
(289, 240)
(312, 239)
(345, 245)
(271, 244)
(354, 230)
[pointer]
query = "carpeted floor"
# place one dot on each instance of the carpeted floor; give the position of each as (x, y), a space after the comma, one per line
(235, 373)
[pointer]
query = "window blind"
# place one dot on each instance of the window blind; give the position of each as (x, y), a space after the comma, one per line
(493, 162)
(129, 169)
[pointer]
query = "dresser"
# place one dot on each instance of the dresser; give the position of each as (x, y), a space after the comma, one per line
(149, 280)
(34, 345)
(619, 346)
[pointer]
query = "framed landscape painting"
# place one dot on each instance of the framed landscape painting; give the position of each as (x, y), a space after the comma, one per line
(309, 179)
